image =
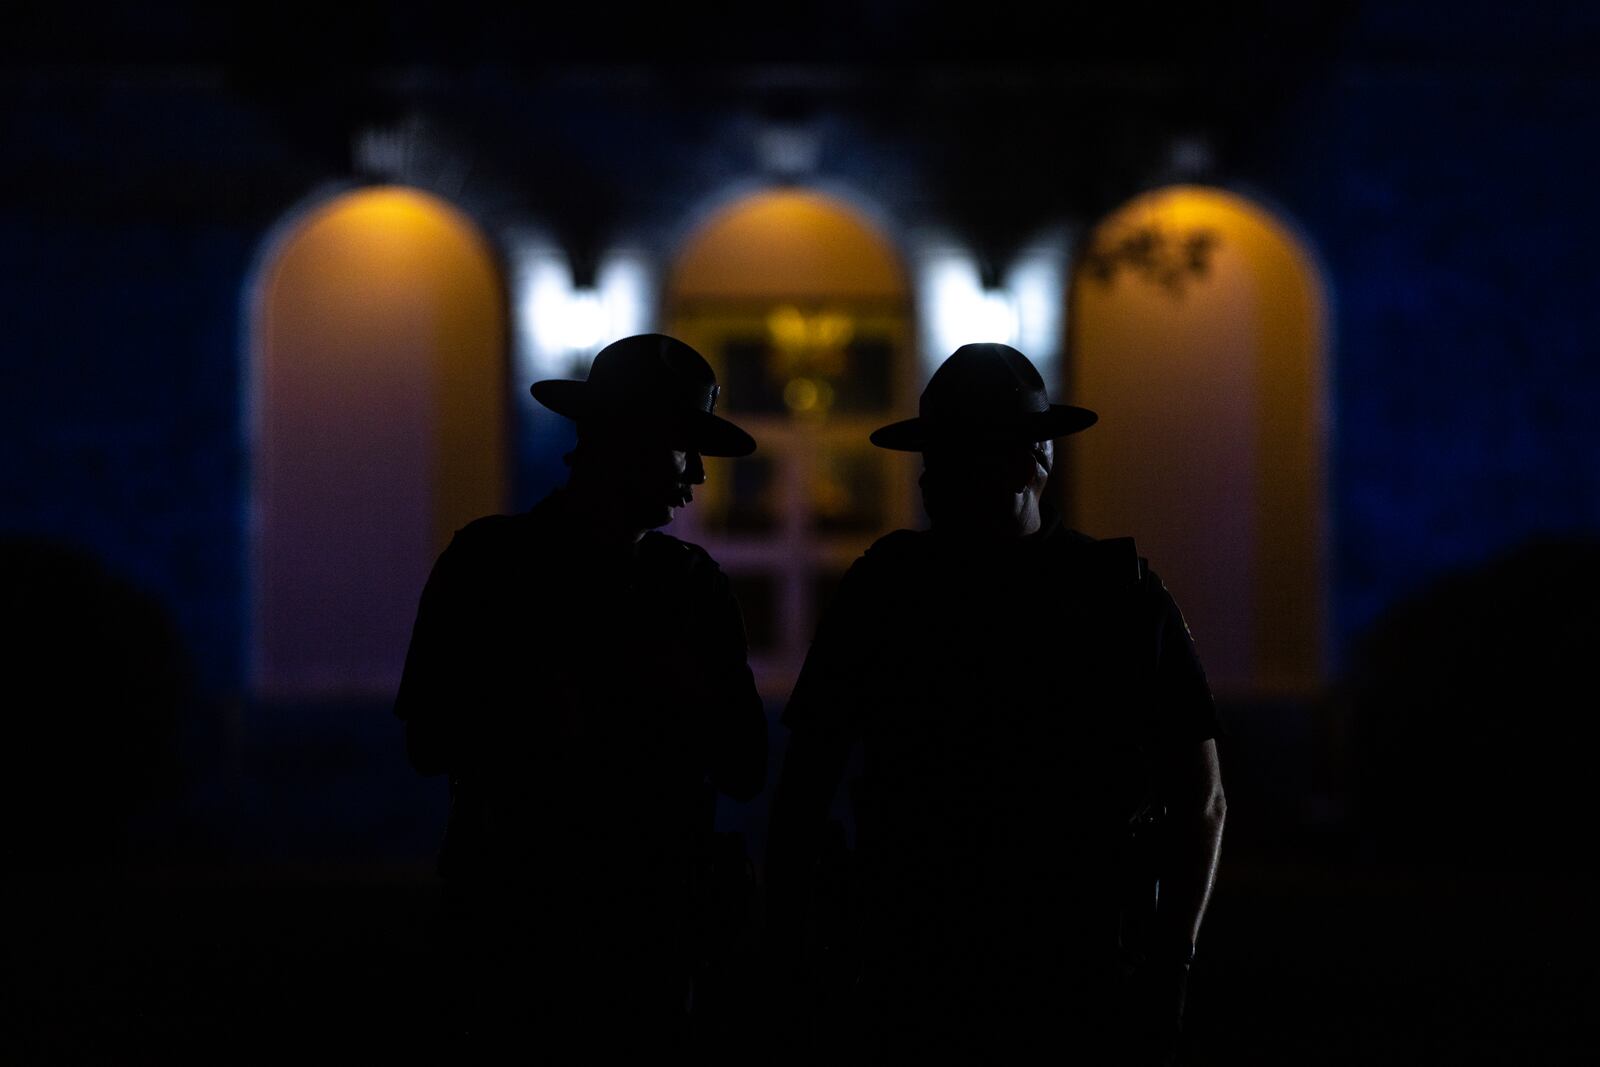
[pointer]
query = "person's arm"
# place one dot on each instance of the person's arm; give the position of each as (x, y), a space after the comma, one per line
(1191, 786)
(1197, 810)
(1191, 777)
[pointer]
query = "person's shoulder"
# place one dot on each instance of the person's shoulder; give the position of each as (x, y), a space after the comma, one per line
(1153, 592)
(487, 527)
(895, 552)
(897, 545)
(491, 531)
(498, 541)
(899, 540)
(475, 555)
(666, 552)
(661, 543)
(1113, 559)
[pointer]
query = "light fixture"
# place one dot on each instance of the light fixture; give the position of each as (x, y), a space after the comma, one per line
(956, 307)
(582, 321)
(559, 327)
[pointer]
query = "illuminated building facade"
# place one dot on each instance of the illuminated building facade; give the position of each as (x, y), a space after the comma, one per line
(269, 335)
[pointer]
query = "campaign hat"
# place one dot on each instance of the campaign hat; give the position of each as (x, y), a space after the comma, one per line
(984, 394)
(650, 382)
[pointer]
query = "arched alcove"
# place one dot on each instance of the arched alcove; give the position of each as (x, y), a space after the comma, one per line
(1197, 329)
(788, 245)
(802, 306)
(378, 413)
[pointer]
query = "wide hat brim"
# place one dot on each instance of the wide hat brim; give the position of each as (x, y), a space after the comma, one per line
(687, 429)
(915, 435)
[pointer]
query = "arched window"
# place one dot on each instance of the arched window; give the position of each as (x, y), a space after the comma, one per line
(1196, 329)
(802, 307)
(378, 418)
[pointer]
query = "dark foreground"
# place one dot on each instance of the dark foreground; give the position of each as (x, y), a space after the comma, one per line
(1301, 964)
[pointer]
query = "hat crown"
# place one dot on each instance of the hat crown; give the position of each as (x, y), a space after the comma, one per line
(984, 393)
(653, 382)
(983, 383)
(651, 371)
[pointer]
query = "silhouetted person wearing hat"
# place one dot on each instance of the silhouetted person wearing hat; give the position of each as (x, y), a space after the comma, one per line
(581, 678)
(1037, 739)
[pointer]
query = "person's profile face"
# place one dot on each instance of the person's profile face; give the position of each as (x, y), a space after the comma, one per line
(656, 480)
(974, 487)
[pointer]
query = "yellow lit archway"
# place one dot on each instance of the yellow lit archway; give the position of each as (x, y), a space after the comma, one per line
(1197, 330)
(802, 306)
(379, 429)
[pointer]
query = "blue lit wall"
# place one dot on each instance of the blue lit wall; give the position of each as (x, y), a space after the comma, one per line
(1438, 173)
(137, 207)
(122, 411)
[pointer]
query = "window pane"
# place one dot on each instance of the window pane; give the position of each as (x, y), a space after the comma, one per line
(762, 378)
(750, 385)
(752, 496)
(868, 381)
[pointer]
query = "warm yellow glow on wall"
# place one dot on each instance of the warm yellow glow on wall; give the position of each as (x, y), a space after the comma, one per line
(1210, 449)
(789, 245)
(801, 305)
(380, 427)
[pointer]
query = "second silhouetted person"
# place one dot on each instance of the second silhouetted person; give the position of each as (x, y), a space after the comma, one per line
(1037, 755)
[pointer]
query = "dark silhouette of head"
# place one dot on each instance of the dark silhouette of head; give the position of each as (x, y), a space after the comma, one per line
(988, 489)
(984, 427)
(644, 476)
(645, 416)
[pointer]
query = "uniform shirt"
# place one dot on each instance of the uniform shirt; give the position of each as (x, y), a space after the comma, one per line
(1016, 705)
(583, 707)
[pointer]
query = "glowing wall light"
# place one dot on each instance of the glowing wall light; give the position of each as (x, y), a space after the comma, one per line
(560, 327)
(582, 323)
(995, 316)
(542, 283)
(956, 309)
(1037, 282)
(624, 284)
